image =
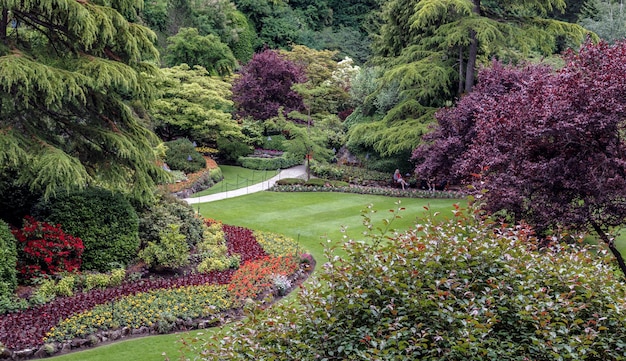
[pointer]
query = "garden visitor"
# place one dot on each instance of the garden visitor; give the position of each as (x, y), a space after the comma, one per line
(397, 177)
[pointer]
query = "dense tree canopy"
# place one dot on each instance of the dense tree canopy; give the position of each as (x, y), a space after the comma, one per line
(264, 86)
(68, 72)
(191, 48)
(194, 105)
(547, 146)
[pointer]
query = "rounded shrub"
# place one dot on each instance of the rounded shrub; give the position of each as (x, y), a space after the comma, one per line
(462, 289)
(167, 211)
(170, 252)
(8, 261)
(105, 221)
(182, 155)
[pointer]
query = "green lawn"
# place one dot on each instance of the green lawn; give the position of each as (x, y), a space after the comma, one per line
(311, 218)
(236, 178)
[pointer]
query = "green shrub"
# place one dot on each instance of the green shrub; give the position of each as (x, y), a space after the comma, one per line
(66, 285)
(316, 182)
(290, 181)
(212, 252)
(167, 211)
(275, 142)
(182, 155)
(461, 289)
(97, 280)
(170, 252)
(105, 221)
(8, 261)
(231, 149)
(268, 163)
(117, 276)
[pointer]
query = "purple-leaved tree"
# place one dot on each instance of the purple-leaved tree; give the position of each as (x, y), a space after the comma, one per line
(548, 146)
(264, 86)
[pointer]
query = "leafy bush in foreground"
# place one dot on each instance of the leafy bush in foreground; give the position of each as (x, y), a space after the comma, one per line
(8, 261)
(105, 221)
(463, 289)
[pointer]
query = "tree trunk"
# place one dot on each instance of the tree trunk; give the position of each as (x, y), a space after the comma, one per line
(473, 53)
(460, 90)
(605, 238)
(4, 20)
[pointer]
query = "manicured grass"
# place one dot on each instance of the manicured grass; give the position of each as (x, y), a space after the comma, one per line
(313, 218)
(151, 348)
(236, 178)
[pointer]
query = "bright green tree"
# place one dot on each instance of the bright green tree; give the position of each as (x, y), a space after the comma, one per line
(189, 47)
(194, 105)
(68, 72)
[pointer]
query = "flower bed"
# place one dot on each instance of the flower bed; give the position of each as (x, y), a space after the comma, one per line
(192, 178)
(150, 305)
(382, 191)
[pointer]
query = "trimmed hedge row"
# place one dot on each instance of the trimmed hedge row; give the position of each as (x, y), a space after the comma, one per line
(268, 163)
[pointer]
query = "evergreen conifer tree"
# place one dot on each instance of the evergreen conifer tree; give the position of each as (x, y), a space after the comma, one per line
(69, 70)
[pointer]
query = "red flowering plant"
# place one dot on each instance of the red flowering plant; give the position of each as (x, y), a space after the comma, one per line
(44, 249)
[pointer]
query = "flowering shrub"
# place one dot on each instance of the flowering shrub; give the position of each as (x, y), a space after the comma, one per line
(45, 249)
(251, 279)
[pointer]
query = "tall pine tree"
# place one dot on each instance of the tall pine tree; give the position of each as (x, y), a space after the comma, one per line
(69, 70)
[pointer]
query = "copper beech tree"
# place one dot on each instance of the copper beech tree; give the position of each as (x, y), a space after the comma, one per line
(547, 146)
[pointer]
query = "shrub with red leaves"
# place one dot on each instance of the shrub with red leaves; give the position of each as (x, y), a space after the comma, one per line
(44, 249)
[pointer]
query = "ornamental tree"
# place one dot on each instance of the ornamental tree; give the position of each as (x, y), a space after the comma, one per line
(194, 105)
(547, 146)
(265, 84)
(68, 72)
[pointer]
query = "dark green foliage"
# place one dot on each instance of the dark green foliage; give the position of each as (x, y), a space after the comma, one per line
(15, 200)
(169, 211)
(232, 149)
(191, 48)
(316, 182)
(462, 289)
(275, 142)
(104, 220)
(268, 163)
(8, 261)
(182, 155)
(290, 181)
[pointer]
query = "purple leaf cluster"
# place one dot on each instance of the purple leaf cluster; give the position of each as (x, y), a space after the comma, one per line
(547, 145)
(264, 86)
